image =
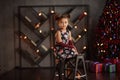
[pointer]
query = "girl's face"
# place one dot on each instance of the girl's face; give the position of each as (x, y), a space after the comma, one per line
(63, 23)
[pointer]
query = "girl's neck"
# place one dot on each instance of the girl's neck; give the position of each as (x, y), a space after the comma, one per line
(63, 30)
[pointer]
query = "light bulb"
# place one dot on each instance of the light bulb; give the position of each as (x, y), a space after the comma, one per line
(37, 51)
(79, 36)
(85, 29)
(52, 11)
(101, 44)
(40, 14)
(98, 44)
(40, 31)
(75, 27)
(84, 47)
(85, 13)
(25, 37)
(104, 51)
(110, 38)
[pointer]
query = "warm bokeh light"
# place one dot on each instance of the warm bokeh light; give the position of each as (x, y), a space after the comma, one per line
(84, 47)
(25, 37)
(79, 36)
(101, 44)
(40, 14)
(52, 11)
(85, 13)
(85, 29)
(75, 27)
(40, 31)
(37, 50)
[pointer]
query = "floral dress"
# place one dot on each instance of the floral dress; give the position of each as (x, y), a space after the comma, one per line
(64, 52)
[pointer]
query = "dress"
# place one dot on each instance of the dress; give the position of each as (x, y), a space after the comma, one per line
(64, 52)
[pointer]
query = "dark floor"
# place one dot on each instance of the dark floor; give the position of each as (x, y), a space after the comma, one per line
(48, 74)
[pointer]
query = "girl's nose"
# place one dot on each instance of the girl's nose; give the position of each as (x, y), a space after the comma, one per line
(63, 24)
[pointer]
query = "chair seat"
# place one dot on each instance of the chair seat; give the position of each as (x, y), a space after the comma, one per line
(71, 68)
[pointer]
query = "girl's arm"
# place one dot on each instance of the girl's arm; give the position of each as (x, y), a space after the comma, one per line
(58, 36)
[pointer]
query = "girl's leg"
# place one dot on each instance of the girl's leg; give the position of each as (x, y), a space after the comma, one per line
(60, 68)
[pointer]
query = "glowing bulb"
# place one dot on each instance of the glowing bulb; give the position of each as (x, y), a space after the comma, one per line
(101, 44)
(98, 44)
(104, 51)
(110, 38)
(37, 51)
(40, 14)
(75, 27)
(107, 12)
(40, 31)
(84, 47)
(79, 36)
(101, 50)
(25, 37)
(85, 13)
(110, 21)
(85, 29)
(52, 11)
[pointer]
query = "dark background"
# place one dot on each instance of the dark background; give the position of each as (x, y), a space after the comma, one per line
(8, 22)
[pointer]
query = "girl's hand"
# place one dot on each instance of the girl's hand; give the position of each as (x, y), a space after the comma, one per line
(60, 51)
(75, 50)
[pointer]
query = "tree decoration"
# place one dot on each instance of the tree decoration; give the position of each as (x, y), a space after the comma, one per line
(107, 43)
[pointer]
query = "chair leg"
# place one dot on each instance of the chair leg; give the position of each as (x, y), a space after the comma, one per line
(84, 67)
(76, 65)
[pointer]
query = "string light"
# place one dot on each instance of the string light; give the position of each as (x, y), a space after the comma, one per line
(75, 27)
(37, 50)
(102, 50)
(79, 36)
(40, 14)
(85, 13)
(85, 30)
(98, 44)
(110, 38)
(101, 44)
(52, 11)
(25, 37)
(40, 31)
(84, 47)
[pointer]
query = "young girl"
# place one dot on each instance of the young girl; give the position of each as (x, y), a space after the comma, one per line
(64, 46)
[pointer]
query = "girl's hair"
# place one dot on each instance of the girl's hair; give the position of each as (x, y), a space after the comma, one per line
(59, 17)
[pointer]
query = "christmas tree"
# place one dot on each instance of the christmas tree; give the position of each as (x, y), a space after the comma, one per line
(107, 42)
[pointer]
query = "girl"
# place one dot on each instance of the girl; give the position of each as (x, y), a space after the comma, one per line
(64, 46)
